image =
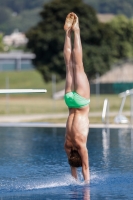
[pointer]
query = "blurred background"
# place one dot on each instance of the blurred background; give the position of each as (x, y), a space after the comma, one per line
(31, 56)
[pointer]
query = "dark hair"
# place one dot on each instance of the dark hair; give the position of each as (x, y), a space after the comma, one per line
(74, 159)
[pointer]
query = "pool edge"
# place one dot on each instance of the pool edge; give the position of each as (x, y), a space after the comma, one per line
(59, 125)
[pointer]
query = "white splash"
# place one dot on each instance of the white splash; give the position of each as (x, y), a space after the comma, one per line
(66, 180)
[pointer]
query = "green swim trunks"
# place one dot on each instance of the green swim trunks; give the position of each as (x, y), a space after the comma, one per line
(74, 100)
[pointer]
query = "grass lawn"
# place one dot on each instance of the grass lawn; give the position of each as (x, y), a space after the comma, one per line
(43, 103)
(26, 80)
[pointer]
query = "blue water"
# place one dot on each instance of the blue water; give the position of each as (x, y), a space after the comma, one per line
(33, 165)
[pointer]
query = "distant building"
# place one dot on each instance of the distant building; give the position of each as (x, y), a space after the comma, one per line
(118, 74)
(116, 80)
(105, 17)
(16, 60)
(15, 39)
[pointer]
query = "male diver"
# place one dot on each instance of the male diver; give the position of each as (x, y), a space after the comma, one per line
(77, 98)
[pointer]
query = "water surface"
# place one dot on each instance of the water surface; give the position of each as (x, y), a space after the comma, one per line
(33, 165)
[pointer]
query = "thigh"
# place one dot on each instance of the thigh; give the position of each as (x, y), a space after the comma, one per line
(69, 86)
(81, 86)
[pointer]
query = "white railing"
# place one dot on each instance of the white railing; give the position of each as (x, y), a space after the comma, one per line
(105, 113)
(124, 95)
(18, 91)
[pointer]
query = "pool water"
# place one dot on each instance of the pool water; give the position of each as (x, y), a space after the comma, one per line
(33, 165)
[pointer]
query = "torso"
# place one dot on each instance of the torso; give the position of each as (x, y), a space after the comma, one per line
(77, 127)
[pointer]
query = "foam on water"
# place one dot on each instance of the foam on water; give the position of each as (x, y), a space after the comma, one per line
(34, 184)
(65, 180)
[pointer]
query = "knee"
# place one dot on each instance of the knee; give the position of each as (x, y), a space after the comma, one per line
(79, 67)
(67, 51)
(69, 65)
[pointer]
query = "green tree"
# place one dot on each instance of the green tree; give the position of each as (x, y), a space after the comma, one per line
(123, 31)
(1, 43)
(46, 39)
(112, 6)
(5, 14)
(23, 14)
(19, 6)
(103, 44)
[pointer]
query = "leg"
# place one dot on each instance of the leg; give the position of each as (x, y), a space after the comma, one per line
(68, 54)
(81, 81)
(68, 61)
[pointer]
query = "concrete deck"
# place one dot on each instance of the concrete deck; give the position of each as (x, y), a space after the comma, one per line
(60, 125)
(37, 117)
(27, 120)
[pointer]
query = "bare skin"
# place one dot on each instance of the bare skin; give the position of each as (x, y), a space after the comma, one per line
(76, 80)
(69, 21)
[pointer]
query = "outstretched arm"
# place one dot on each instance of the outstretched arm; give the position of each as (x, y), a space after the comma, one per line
(74, 172)
(73, 169)
(85, 162)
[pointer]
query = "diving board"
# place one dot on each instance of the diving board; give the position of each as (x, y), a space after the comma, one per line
(19, 91)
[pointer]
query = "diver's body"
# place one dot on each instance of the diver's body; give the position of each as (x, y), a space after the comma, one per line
(77, 97)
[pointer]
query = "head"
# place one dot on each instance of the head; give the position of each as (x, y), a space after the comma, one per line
(74, 159)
